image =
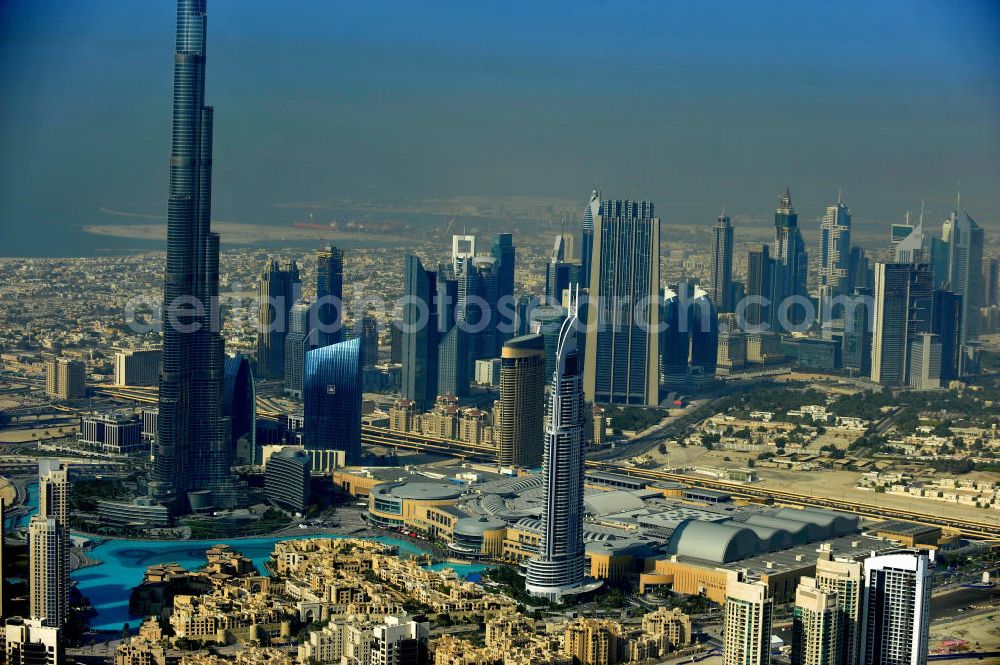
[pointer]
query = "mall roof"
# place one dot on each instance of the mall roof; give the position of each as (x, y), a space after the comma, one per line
(420, 491)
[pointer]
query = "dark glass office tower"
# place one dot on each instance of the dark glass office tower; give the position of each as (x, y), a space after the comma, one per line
(559, 276)
(478, 298)
(622, 349)
(764, 289)
(454, 352)
(239, 399)
(329, 294)
(860, 271)
(299, 341)
(277, 291)
(332, 393)
(721, 288)
(965, 273)
(857, 342)
(789, 248)
(704, 337)
(903, 308)
(590, 213)
(191, 456)
(420, 334)
(504, 255)
(947, 325)
(368, 332)
(675, 341)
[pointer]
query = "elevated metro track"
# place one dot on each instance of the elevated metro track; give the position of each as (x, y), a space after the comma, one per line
(969, 528)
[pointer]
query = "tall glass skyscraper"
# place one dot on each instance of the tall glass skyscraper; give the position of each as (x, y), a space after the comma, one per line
(689, 341)
(329, 294)
(547, 321)
(675, 342)
(622, 352)
(453, 343)
(834, 254)
(704, 337)
(239, 401)
(420, 334)
(721, 288)
(765, 284)
(789, 248)
(903, 308)
(299, 341)
(504, 254)
(947, 325)
(965, 272)
(192, 455)
(277, 291)
(558, 570)
(332, 390)
(590, 213)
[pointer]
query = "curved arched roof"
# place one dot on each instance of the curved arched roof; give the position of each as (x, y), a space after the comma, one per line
(419, 491)
(713, 541)
(477, 526)
(772, 538)
(492, 504)
(799, 533)
(832, 524)
(617, 501)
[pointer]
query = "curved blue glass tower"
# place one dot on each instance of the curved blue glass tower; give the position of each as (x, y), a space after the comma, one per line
(192, 456)
(332, 389)
(239, 401)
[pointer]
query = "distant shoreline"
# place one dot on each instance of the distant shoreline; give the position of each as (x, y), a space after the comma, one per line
(234, 233)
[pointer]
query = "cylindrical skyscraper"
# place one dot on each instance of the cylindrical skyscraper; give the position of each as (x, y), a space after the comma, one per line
(558, 570)
(522, 399)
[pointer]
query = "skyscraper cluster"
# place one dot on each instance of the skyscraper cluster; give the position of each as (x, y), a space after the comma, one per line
(910, 321)
(870, 612)
(454, 316)
(927, 305)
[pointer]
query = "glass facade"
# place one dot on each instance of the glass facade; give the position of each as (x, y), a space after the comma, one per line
(332, 395)
(559, 567)
(420, 333)
(329, 285)
(191, 453)
(622, 356)
(239, 401)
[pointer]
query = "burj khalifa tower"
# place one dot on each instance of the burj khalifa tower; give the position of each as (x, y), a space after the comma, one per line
(191, 455)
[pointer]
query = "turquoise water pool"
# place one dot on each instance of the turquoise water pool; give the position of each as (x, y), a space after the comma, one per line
(32, 503)
(107, 586)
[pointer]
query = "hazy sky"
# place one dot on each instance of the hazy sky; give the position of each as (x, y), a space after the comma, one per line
(690, 103)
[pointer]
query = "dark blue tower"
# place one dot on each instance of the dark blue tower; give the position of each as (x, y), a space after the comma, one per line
(192, 456)
(332, 389)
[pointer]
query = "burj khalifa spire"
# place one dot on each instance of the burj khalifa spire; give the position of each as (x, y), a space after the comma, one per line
(191, 458)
